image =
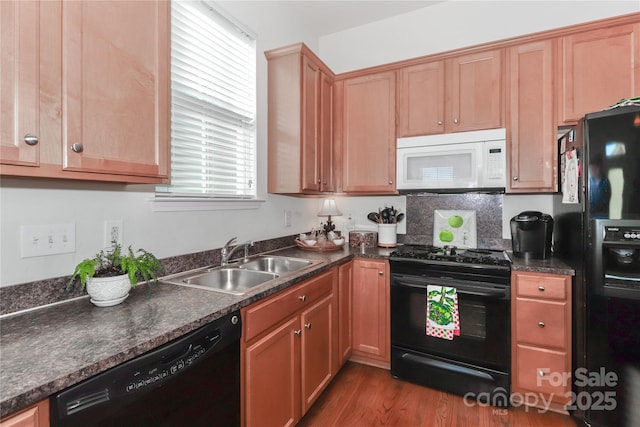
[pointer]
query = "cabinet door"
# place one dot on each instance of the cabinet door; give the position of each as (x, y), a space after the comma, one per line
(19, 82)
(325, 126)
(317, 350)
(345, 312)
(34, 416)
(599, 68)
(421, 99)
(115, 87)
(371, 309)
(531, 130)
(272, 377)
(368, 122)
(474, 90)
(310, 113)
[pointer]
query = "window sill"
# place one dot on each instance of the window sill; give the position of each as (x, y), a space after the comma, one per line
(175, 204)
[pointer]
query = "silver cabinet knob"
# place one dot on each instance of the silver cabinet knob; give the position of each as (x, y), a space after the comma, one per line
(456, 121)
(381, 273)
(297, 332)
(390, 182)
(307, 325)
(77, 147)
(541, 288)
(319, 181)
(302, 297)
(234, 320)
(515, 178)
(440, 122)
(541, 324)
(31, 139)
(541, 373)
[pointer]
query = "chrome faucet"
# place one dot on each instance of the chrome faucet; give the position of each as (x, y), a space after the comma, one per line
(229, 249)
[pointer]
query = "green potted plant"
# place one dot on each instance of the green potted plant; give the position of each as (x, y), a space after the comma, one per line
(111, 273)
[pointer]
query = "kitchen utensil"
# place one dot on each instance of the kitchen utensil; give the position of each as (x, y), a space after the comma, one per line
(399, 217)
(374, 216)
(385, 215)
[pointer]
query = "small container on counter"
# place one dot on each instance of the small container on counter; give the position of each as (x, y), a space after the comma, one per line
(358, 238)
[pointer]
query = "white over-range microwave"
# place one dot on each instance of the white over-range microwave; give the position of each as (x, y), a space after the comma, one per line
(464, 161)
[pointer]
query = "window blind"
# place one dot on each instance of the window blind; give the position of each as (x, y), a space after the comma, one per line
(213, 105)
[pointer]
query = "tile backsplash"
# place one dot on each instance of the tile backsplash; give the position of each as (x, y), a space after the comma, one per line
(488, 209)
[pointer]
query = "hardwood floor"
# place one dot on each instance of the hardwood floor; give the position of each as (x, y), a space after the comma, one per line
(362, 395)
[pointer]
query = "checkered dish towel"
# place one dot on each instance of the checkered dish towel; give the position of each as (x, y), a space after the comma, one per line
(443, 319)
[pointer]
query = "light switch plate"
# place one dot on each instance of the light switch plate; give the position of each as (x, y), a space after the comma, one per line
(49, 239)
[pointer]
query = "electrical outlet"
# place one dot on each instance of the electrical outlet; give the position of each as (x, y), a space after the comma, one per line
(112, 232)
(287, 218)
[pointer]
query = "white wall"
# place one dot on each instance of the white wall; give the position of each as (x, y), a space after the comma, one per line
(88, 205)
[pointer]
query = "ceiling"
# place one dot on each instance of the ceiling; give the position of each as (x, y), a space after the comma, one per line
(331, 16)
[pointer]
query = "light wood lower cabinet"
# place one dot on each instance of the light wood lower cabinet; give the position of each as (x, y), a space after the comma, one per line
(34, 416)
(345, 310)
(289, 351)
(541, 336)
(371, 324)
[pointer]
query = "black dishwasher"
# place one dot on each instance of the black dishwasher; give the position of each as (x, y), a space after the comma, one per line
(193, 380)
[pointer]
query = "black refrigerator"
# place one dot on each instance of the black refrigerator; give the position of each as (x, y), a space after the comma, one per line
(597, 231)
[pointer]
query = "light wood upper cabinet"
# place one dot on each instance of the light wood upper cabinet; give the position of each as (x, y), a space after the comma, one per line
(115, 87)
(597, 69)
(300, 90)
(531, 128)
(474, 89)
(367, 131)
(421, 99)
(371, 318)
(92, 73)
(19, 82)
(451, 95)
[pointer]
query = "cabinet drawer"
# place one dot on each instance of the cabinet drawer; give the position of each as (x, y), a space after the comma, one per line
(542, 286)
(553, 365)
(541, 322)
(265, 314)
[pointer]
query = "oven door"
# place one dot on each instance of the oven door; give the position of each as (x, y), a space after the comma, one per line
(485, 317)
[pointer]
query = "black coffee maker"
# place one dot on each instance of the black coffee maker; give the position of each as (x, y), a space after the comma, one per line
(531, 235)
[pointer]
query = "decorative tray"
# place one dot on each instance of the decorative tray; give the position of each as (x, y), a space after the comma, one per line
(319, 247)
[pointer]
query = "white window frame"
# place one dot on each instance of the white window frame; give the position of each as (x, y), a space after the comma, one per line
(167, 200)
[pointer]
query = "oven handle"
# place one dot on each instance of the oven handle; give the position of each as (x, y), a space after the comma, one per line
(460, 288)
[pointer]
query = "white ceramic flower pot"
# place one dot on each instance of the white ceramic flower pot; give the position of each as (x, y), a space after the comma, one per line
(108, 291)
(387, 235)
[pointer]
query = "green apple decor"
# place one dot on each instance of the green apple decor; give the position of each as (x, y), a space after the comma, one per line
(455, 221)
(446, 236)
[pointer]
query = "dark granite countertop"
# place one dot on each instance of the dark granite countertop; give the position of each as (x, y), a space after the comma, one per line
(551, 265)
(51, 348)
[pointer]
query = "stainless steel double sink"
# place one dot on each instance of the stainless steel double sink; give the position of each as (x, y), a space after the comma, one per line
(240, 277)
